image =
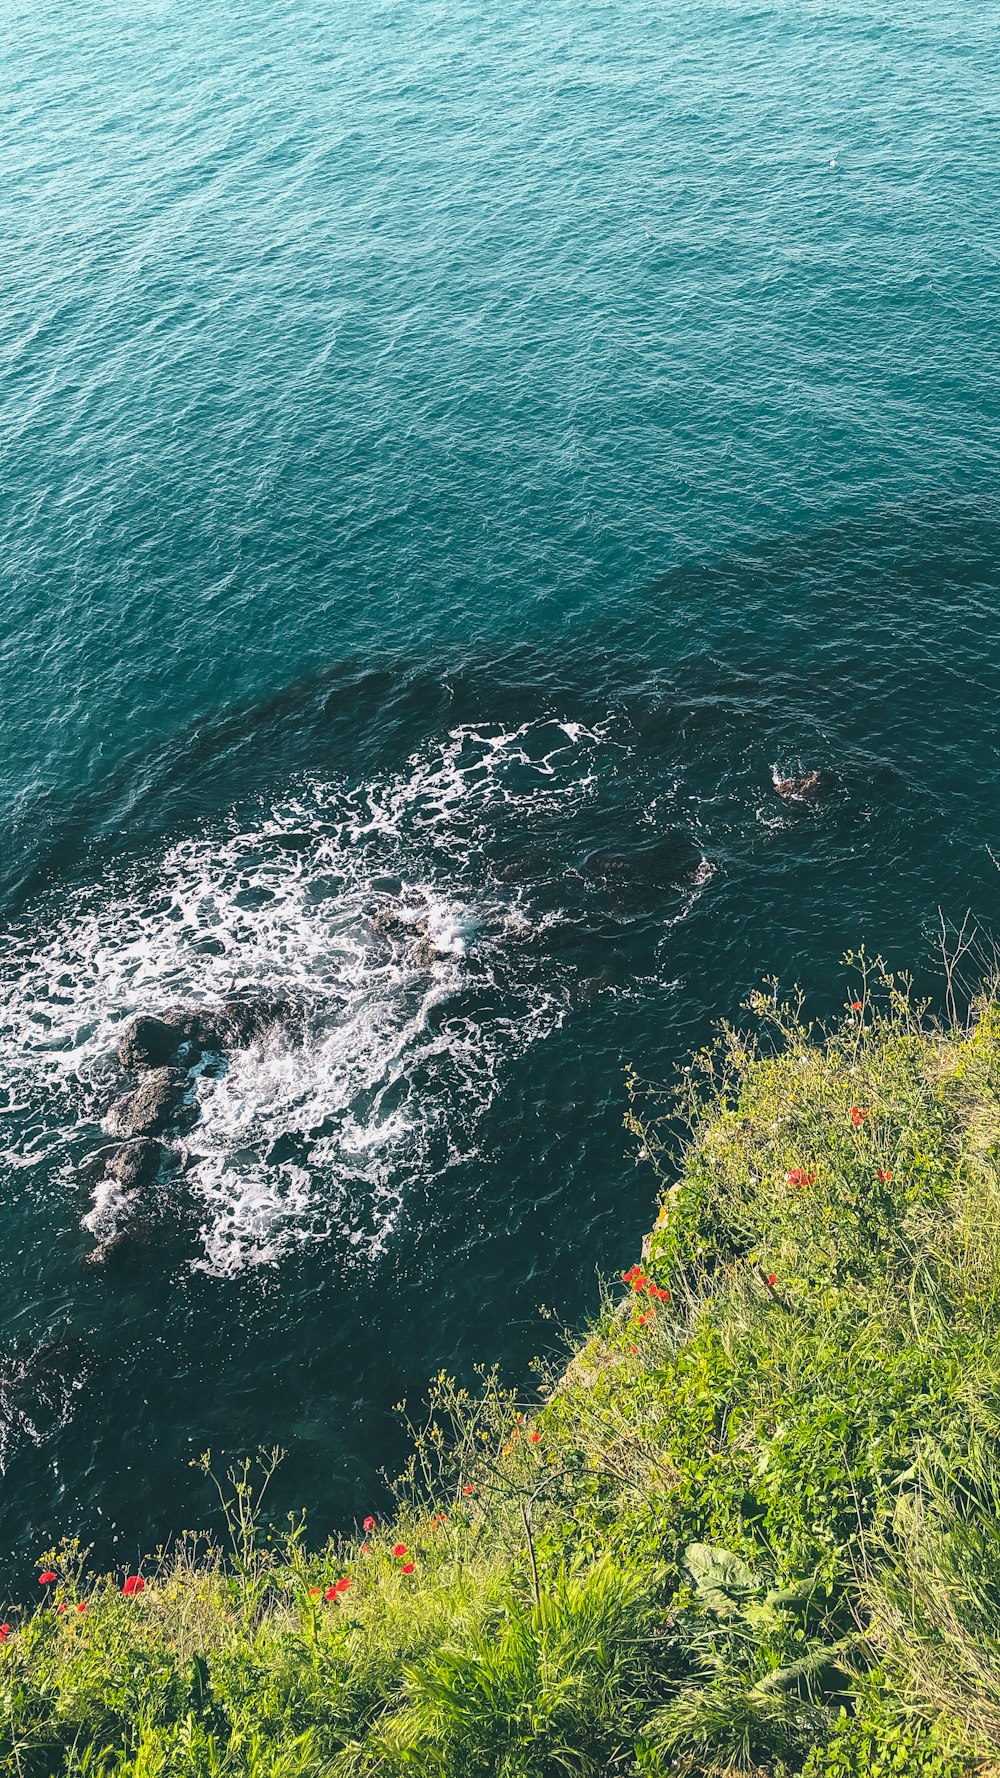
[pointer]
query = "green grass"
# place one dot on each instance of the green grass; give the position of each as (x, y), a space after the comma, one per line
(751, 1526)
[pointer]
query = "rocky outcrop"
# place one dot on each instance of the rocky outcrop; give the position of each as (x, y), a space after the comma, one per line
(159, 1041)
(124, 1206)
(182, 1035)
(136, 1163)
(806, 788)
(402, 922)
(121, 1224)
(239, 1023)
(151, 1108)
(161, 1052)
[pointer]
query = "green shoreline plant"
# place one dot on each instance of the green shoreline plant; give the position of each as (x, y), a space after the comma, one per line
(752, 1526)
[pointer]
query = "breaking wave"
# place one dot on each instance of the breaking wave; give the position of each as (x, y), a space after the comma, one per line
(400, 921)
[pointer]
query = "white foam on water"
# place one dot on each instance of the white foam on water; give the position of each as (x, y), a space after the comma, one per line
(382, 1074)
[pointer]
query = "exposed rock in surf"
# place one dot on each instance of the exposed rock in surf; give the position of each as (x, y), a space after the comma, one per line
(151, 1108)
(163, 1049)
(806, 788)
(123, 1213)
(136, 1163)
(426, 953)
(393, 921)
(156, 1042)
(182, 1035)
(121, 1224)
(398, 921)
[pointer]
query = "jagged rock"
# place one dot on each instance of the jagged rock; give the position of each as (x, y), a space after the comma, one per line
(183, 1034)
(151, 1107)
(128, 1230)
(804, 789)
(426, 953)
(156, 1042)
(123, 1213)
(135, 1164)
(394, 921)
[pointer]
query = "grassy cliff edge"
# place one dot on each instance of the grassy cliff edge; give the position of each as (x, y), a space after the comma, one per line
(752, 1527)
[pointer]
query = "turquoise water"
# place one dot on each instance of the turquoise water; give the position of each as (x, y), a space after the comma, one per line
(452, 461)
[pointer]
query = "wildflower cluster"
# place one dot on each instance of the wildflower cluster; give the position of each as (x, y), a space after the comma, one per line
(639, 1282)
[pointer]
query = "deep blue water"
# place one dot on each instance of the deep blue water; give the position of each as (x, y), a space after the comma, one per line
(451, 458)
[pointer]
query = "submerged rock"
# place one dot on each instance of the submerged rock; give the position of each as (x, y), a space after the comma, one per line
(151, 1108)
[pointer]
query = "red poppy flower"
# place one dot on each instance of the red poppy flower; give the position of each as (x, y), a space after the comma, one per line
(535, 1437)
(772, 1280)
(134, 1584)
(4, 1632)
(314, 1592)
(366, 1549)
(633, 1272)
(407, 1568)
(799, 1176)
(60, 1607)
(399, 1549)
(44, 1579)
(82, 1606)
(633, 1350)
(884, 1175)
(856, 1005)
(368, 1524)
(640, 1281)
(468, 1489)
(857, 1116)
(343, 1584)
(662, 1296)
(330, 1594)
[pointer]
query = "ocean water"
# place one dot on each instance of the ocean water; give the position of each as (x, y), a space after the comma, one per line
(454, 459)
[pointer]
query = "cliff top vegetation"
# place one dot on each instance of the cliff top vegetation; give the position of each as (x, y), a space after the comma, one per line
(752, 1526)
